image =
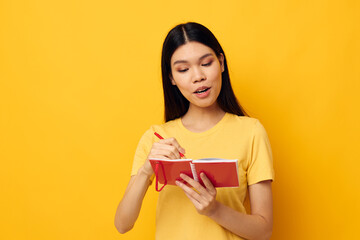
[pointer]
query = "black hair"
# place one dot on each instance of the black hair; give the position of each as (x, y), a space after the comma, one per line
(176, 105)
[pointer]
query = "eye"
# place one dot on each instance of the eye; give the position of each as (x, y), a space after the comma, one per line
(207, 64)
(183, 70)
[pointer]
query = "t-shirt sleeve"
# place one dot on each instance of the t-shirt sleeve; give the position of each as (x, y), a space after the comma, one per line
(142, 150)
(260, 166)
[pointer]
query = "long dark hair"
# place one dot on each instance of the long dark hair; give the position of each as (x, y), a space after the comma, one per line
(176, 105)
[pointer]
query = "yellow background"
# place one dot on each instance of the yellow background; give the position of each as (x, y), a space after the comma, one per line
(80, 82)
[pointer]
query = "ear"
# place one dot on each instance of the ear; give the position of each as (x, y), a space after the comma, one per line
(221, 60)
(172, 80)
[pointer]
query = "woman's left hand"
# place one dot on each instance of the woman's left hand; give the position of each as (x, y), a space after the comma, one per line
(204, 198)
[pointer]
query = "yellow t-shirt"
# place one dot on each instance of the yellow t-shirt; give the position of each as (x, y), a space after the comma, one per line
(234, 137)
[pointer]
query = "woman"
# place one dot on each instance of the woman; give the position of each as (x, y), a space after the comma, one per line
(203, 119)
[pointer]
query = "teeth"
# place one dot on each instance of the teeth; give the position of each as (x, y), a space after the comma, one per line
(200, 91)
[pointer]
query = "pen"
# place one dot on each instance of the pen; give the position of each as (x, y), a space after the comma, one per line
(160, 137)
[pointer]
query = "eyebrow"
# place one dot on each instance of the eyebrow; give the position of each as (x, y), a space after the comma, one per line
(184, 61)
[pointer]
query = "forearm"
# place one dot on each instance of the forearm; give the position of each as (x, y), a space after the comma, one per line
(129, 207)
(243, 225)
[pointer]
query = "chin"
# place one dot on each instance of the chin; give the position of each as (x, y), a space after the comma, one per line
(205, 104)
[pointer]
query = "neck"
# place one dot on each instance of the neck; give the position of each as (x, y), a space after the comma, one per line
(199, 119)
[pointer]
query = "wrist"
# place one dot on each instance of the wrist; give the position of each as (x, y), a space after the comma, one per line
(143, 171)
(215, 210)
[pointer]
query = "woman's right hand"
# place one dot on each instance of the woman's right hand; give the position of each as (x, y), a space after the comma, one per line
(167, 148)
(130, 205)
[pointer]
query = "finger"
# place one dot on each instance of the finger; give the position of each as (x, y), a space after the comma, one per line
(193, 195)
(204, 192)
(173, 142)
(191, 181)
(200, 203)
(172, 150)
(158, 156)
(196, 203)
(166, 150)
(208, 184)
(196, 185)
(159, 153)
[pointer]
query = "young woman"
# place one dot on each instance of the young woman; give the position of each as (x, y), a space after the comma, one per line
(203, 119)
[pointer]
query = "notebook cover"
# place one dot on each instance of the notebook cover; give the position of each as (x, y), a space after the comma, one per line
(221, 174)
(172, 169)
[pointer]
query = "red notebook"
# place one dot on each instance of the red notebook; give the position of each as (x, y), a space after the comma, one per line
(221, 172)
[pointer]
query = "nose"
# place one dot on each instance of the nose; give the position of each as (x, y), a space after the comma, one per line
(198, 75)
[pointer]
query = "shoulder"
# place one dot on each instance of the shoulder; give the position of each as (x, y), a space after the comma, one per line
(247, 126)
(243, 121)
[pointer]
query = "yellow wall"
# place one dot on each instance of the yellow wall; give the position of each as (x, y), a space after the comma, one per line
(80, 83)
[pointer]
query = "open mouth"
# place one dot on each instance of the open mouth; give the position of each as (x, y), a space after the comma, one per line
(202, 90)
